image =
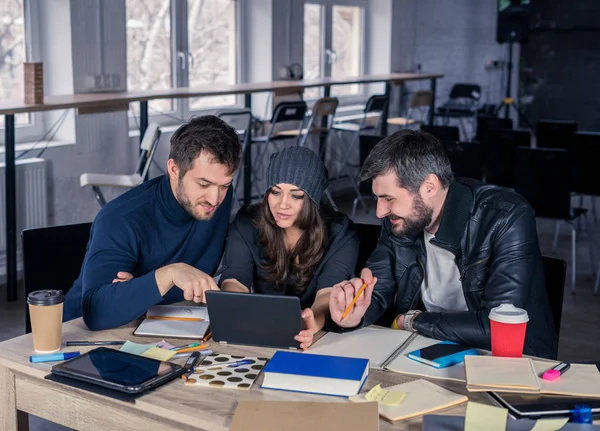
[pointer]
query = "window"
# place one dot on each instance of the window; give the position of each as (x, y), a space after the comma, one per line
(333, 43)
(182, 43)
(12, 54)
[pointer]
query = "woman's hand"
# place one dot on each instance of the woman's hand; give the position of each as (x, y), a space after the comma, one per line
(305, 337)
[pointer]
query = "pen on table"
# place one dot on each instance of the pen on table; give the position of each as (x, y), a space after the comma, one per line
(53, 357)
(194, 359)
(229, 364)
(183, 355)
(192, 349)
(94, 343)
(360, 292)
(186, 319)
(184, 347)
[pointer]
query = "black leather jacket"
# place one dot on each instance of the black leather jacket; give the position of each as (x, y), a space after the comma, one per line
(492, 233)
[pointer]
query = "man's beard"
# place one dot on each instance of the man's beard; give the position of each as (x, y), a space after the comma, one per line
(421, 218)
(191, 209)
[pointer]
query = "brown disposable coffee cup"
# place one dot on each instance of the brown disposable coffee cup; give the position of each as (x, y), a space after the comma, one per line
(46, 314)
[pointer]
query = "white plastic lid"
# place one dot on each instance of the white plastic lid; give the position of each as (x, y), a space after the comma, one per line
(508, 313)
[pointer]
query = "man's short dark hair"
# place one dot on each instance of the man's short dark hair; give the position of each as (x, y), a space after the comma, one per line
(412, 155)
(205, 133)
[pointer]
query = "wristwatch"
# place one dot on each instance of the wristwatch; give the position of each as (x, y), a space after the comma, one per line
(408, 319)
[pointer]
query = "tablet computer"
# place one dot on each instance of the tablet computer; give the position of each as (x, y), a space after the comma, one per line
(535, 406)
(254, 319)
(119, 370)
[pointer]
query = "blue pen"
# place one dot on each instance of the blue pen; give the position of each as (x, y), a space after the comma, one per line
(228, 364)
(53, 357)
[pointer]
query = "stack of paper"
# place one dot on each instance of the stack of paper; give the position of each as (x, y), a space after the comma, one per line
(523, 375)
(420, 397)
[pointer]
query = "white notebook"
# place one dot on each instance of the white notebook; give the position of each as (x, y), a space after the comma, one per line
(379, 344)
(174, 321)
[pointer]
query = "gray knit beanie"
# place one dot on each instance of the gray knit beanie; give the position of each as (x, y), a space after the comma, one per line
(301, 167)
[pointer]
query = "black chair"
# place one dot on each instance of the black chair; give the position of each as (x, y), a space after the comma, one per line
(443, 133)
(555, 133)
(555, 271)
(500, 150)
(52, 258)
(463, 104)
(466, 158)
(538, 179)
(485, 123)
(368, 236)
(365, 144)
(585, 153)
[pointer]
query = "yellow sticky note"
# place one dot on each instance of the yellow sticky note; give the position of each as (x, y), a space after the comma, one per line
(484, 417)
(549, 424)
(377, 393)
(158, 353)
(393, 398)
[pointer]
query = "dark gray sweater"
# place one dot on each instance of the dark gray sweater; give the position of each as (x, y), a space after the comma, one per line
(244, 256)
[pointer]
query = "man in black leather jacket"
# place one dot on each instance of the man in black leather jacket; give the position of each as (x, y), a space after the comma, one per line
(483, 251)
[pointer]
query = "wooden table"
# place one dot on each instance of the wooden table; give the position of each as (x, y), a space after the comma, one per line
(23, 391)
(105, 102)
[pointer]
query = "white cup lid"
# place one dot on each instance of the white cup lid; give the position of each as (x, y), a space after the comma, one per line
(508, 313)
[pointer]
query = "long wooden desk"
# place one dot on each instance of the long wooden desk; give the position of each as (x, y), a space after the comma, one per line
(23, 391)
(104, 102)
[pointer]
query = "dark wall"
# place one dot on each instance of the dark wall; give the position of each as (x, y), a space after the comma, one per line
(560, 64)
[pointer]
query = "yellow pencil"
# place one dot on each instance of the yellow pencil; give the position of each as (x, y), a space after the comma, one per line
(193, 349)
(360, 291)
(188, 319)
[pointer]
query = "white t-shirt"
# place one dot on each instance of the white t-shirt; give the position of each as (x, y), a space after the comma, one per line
(441, 289)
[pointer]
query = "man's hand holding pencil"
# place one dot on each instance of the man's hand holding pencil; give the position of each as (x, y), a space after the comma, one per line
(350, 299)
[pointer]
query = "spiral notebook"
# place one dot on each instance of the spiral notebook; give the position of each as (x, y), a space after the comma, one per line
(385, 349)
(174, 321)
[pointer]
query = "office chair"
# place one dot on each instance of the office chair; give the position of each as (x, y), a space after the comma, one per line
(52, 258)
(147, 147)
(537, 175)
(500, 151)
(555, 133)
(466, 158)
(241, 121)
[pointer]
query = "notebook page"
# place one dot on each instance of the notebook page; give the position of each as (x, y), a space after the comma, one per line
(404, 365)
(178, 311)
(422, 397)
(373, 344)
(500, 374)
(172, 328)
(580, 380)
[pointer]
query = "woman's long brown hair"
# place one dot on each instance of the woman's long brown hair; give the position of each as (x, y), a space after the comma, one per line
(301, 261)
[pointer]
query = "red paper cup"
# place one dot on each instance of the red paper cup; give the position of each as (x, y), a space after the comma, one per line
(508, 325)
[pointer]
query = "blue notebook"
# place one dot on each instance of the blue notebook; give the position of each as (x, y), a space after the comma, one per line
(318, 374)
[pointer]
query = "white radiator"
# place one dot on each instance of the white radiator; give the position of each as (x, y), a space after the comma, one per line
(32, 202)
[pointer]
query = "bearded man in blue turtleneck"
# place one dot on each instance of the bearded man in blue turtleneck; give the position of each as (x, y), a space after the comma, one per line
(161, 241)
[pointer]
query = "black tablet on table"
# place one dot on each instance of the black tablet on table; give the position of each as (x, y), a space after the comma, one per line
(120, 371)
(254, 319)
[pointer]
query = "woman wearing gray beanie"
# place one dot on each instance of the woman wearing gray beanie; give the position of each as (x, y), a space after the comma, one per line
(290, 243)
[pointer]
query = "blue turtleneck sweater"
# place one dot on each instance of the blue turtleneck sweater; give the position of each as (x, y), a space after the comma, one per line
(139, 232)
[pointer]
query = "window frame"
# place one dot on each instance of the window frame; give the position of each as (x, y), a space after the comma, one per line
(180, 62)
(327, 43)
(36, 129)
